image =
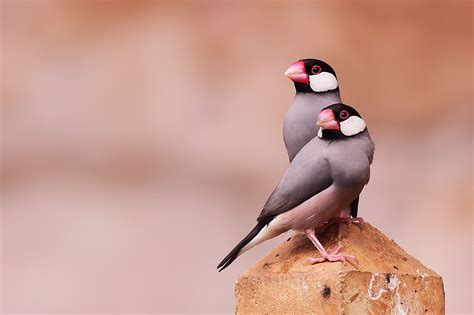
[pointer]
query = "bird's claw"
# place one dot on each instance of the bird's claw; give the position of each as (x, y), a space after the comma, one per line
(334, 256)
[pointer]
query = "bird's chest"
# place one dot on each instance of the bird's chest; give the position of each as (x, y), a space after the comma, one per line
(349, 165)
(300, 126)
(301, 119)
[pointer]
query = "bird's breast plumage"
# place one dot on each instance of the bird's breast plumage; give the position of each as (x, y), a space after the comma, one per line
(300, 125)
(350, 160)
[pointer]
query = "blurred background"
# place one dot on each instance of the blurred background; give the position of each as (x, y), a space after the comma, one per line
(141, 139)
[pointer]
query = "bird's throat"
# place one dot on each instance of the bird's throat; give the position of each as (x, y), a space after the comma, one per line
(327, 98)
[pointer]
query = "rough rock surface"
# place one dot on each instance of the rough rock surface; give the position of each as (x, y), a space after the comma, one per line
(386, 281)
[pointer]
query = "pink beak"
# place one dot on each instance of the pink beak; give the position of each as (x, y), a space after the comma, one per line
(327, 121)
(297, 73)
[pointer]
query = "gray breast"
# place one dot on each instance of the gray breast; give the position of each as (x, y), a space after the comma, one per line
(350, 159)
(300, 122)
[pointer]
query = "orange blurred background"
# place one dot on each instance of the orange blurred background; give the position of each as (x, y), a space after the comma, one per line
(141, 139)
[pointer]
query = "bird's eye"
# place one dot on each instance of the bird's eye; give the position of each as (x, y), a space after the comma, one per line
(315, 69)
(344, 114)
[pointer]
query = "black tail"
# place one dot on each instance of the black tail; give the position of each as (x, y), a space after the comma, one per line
(235, 252)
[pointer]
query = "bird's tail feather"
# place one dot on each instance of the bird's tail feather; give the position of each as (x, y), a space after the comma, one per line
(238, 249)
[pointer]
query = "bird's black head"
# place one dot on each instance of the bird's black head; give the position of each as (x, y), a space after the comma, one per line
(339, 121)
(312, 76)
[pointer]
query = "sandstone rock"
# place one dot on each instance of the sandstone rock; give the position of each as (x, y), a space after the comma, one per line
(386, 281)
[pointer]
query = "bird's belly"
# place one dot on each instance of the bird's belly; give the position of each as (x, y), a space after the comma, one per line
(317, 210)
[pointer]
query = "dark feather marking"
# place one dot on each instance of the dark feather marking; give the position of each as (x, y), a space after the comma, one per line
(235, 252)
(355, 207)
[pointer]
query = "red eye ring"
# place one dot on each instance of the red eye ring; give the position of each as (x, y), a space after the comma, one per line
(316, 69)
(344, 114)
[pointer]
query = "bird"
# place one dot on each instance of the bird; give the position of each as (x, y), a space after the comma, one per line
(326, 175)
(316, 87)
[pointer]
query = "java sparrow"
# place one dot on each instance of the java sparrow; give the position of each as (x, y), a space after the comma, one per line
(316, 87)
(324, 178)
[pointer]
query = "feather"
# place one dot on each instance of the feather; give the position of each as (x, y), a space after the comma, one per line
(234, 253)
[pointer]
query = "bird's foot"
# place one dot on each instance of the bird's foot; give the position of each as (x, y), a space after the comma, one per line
(334, 256)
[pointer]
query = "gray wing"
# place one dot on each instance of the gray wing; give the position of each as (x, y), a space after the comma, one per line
(308, 174)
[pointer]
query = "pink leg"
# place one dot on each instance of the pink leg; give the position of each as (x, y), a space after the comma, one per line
(334, 256)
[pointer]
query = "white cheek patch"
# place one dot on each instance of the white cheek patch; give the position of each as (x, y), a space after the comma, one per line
(320, 133)
(352, 126)
(323, 82)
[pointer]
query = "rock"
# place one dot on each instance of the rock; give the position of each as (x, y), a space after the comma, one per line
(386, 281)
